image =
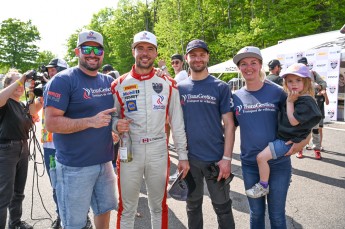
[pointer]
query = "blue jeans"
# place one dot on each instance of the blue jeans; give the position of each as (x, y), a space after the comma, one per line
(14, 159)
(47, 153)
(279, 182)
(79, 187)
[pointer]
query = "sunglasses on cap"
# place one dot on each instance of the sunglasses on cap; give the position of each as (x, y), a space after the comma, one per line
(86, 50)
(175, 62)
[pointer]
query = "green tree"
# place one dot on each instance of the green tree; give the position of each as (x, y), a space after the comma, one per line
(44, 58)
(17, 44)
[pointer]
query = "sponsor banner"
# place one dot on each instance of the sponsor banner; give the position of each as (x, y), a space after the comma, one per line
(326, 62)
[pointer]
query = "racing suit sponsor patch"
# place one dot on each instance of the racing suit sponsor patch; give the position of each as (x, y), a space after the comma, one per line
(157, 87)
(130, 87)
(159, 102)
(131, 105)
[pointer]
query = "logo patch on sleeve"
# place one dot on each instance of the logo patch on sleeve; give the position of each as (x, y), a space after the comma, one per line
(131, 105)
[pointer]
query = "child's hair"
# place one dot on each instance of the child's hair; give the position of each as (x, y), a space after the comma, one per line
(9, 76)
(308, 87)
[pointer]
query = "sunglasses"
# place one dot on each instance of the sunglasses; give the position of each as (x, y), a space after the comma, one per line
(86, 50)
(175, 62)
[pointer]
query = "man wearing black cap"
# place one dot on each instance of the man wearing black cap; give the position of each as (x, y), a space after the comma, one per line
(206, 106)
(275, 67)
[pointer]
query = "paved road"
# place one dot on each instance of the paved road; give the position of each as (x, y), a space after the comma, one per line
(316, 197)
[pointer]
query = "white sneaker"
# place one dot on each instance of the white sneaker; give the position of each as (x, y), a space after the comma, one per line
(257, 191)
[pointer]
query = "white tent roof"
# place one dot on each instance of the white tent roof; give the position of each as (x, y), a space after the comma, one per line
(300, 44)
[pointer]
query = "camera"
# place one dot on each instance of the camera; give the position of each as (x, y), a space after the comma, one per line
(40, 80)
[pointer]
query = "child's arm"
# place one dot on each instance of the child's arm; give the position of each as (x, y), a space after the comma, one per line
(290, 107)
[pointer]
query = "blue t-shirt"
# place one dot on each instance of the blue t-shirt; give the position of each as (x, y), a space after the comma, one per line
(256, 112)
(203, 103)
(81, 96)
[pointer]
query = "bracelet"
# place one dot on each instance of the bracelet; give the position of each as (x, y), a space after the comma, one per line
(163, 67)
(19, 83)
(227, 158)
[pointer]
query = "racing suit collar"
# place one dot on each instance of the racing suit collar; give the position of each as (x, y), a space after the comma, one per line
(142, 77)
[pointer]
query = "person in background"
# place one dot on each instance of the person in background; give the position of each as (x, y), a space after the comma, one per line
(78, 105)
(320, 86)
(143, 100)
(296, 120)
(16, 122)
(107, 68)
(256, 107)
(206, 106)
(177, 64)
(180, 74)
(275, 67)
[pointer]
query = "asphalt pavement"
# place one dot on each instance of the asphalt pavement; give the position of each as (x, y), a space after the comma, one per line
(316, 197)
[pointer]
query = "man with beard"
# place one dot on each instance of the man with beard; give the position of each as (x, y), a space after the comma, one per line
(206, 103)
(143, 101)
(78, 105)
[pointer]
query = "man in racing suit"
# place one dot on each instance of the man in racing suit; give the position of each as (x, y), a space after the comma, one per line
(143, 100)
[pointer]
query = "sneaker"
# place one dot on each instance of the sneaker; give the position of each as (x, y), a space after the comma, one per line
(173, 177)
(56, 224)
(257, 191)
(317, 154)
(88, 223)
(21, 225)
(299, 154)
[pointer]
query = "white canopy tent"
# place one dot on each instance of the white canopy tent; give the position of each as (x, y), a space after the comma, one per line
(300, 44)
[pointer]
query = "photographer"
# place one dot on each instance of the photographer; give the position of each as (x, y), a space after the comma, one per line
(15, 124)
(55, 65)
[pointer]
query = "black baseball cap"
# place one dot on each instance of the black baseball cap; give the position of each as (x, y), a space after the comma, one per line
(273, 63)
(107, 67)
(303, 60)
(177, 56)
(180, 189)
(194, 44)
(56, 62)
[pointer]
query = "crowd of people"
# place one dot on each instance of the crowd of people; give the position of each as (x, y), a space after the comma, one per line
(130, 117)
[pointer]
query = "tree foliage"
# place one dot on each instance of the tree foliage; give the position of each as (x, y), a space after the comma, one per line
(17, 44)
(226, 25)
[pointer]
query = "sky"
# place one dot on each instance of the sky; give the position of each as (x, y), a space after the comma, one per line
(55, 20)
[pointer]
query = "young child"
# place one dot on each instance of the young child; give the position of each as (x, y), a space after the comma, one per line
(296, 120)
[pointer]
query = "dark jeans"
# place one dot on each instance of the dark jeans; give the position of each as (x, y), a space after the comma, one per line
(13, 172)
(47, 153)
(219, 194)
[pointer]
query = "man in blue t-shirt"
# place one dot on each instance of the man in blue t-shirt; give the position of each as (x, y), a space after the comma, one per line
(78, 104)
(206, 106)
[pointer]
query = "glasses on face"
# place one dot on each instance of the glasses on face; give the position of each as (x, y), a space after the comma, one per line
(86, 50)
(175, 62)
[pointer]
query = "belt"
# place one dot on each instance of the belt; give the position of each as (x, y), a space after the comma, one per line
(6, 141)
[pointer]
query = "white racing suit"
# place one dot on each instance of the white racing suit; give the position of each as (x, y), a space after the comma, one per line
(147, 101)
